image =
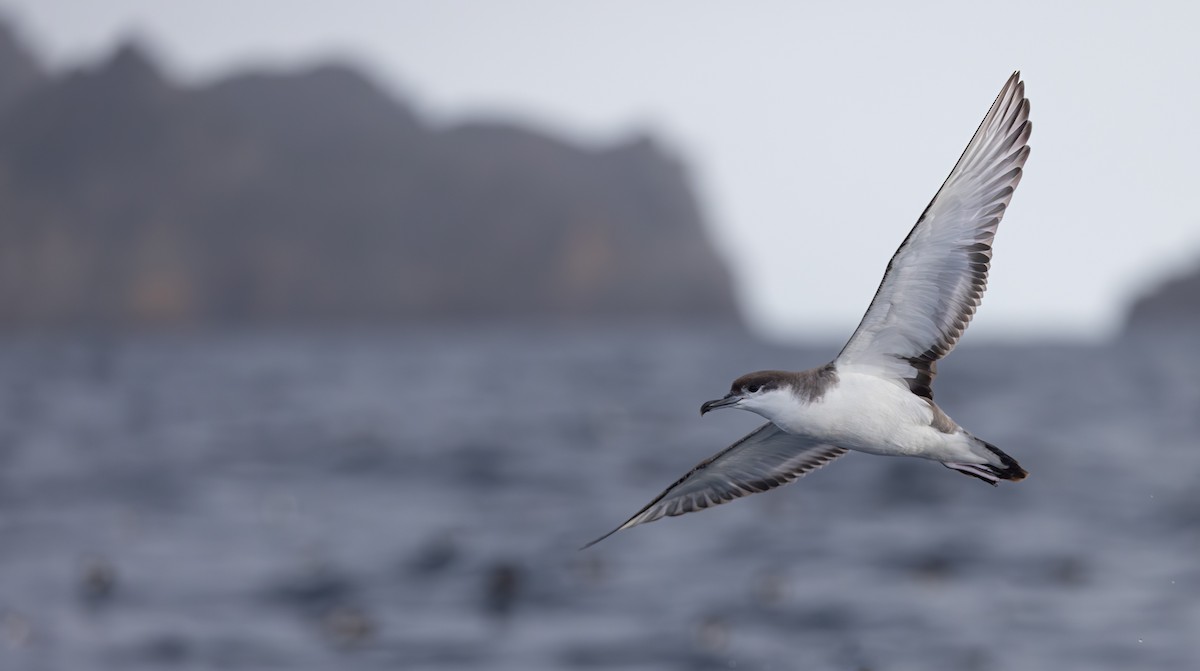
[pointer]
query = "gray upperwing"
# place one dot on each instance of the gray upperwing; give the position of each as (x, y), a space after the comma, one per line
(764, 459)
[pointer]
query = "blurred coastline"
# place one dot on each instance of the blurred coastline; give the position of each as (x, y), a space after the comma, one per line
(311, 198)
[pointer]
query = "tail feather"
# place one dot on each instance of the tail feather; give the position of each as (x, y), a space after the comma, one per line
(1009, 469)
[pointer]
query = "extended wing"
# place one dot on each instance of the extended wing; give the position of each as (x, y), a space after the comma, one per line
(766, 458)
(934, 282)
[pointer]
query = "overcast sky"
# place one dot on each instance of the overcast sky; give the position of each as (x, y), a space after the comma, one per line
(817, 132)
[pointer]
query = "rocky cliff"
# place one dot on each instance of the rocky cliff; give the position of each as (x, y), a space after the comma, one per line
(1171, 310)
(314, 196)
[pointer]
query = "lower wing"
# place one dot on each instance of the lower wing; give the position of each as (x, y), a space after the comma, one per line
(766, 458)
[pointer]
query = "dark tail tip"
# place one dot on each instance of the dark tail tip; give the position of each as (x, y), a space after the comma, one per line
(1012, 471)
(1009, 469)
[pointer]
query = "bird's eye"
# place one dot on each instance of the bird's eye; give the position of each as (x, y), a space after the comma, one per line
(753, 388)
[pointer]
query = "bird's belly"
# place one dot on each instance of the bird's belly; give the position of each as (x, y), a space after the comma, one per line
(867, 414)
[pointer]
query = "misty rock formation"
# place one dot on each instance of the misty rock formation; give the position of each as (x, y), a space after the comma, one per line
(1170, 310)
(19, 70)
(313, 196)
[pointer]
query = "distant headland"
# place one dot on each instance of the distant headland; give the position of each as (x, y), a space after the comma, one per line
(312, 196)
(1171, 310)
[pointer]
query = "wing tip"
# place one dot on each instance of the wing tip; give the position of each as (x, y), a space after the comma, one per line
(631, 522)
(591, 543)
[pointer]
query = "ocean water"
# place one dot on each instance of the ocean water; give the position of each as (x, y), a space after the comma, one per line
(416, 500)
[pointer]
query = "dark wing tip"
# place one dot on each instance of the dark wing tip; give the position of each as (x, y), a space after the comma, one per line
(629, 522)
(588, 545)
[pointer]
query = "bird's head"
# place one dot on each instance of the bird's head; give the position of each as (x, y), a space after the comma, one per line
(763, 393)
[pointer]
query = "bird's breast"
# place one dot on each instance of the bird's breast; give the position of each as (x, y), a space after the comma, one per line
(861, 412)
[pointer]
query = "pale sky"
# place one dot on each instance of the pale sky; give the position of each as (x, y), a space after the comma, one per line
(816, 132)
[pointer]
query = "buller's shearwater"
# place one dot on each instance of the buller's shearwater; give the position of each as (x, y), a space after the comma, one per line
(876, 396)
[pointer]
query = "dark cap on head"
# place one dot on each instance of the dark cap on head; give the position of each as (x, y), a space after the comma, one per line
(760, 380)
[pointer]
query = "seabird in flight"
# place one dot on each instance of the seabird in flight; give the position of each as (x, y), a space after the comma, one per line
(876, 396)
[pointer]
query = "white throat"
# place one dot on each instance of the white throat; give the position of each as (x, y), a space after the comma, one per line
(777, 405)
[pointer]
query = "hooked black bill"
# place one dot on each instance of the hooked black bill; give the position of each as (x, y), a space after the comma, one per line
(730, 399)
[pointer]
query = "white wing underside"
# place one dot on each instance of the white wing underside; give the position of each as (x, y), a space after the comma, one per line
(766, 458)
(936, 279)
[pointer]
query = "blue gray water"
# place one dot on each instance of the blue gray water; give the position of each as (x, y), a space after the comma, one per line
(415, 501)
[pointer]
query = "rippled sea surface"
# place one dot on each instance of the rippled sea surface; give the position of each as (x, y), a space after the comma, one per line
(416, 500)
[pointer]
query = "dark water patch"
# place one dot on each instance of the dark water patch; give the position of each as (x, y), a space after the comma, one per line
(914, 483)
(641, 654)
(365, 453)
(504, 584)
(829, 618)
(98, 583)
(178, 650)
(348, 626)
(314, 591)
(436, 556)
(164, 650)
(440, 652)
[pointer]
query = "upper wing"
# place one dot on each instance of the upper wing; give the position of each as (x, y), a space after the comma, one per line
(764, 459)
(934, 282)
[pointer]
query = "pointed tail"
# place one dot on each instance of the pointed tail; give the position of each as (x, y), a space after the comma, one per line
(1008, 469)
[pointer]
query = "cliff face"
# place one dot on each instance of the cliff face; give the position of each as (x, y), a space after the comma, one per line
(19, 70)
(1171, 311)
(314, 197)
